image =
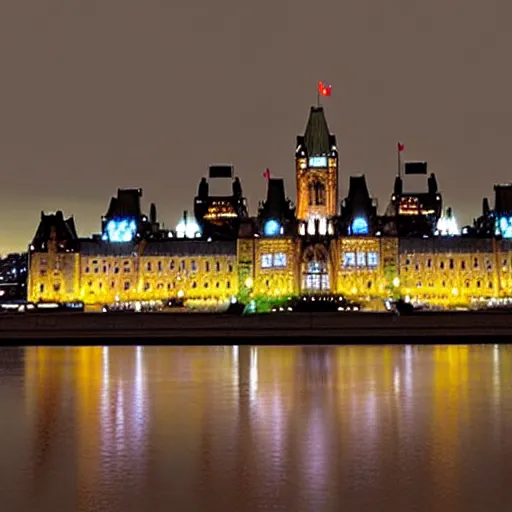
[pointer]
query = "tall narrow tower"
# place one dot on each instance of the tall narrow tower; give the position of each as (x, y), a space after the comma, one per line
(316, 161)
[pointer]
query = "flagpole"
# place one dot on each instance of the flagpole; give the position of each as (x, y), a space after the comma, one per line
(399, 149)
(399, 160)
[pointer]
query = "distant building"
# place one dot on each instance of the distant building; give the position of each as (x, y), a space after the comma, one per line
(13, 277)
(321, 245)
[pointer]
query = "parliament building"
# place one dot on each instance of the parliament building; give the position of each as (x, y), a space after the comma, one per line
(319, 246)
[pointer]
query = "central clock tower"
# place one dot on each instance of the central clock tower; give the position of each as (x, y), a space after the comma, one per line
(316, 166)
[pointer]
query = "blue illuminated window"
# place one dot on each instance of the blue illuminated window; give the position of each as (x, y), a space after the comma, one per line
(318, 161)
(271, 228)
(314, 267)
(361, 259)
(372, 259)
(349, 259)
(504, 227)
(120, 230)
(266, 260)
(277, 260)
(280, 259)
(359, 226)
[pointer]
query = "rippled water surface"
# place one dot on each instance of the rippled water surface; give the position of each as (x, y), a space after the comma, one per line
(245, 429)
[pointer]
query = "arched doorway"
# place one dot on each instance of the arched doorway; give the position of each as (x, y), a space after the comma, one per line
(315, 270)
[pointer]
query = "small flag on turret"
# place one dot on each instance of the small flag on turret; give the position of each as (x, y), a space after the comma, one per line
(324, 89)
(266, 174)
(401, 147)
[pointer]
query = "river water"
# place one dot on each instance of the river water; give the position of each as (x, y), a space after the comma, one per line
(400, 428)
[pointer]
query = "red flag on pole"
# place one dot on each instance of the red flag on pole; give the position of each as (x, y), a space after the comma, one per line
(324, 89)
(266, 174)
(401, 147)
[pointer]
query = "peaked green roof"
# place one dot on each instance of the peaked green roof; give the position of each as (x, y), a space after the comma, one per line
(316, 137)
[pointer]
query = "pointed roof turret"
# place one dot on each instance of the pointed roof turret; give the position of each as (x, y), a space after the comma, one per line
(57, 227)
(317, 139)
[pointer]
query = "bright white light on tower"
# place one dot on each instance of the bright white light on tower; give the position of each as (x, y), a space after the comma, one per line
(322, 226)
(188, 229)
(311, 226)
(447, 226)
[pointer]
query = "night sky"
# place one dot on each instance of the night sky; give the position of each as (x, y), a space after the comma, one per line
(101, 94)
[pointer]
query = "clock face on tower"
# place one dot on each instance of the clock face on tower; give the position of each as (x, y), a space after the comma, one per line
(318, 161)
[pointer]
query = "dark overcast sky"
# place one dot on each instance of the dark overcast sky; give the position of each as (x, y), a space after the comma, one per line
(100, 94)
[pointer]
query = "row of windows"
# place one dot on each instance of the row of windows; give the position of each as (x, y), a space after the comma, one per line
(361, 259)
(159, 267)
(194, 284)
(160, 286)
(277, 260)
(467, 284)
(127, 285)
(450, 264)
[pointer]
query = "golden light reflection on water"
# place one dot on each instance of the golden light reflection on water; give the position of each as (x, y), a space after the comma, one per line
(246, 428)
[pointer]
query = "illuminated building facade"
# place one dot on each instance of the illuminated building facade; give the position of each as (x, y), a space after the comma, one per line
(319, 246)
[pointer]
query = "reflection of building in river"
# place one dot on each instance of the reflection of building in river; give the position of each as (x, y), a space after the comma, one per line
(87, 380)
(14, 433)
(120, 421)
(450, 395)
(110, 416)
(47, 390)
